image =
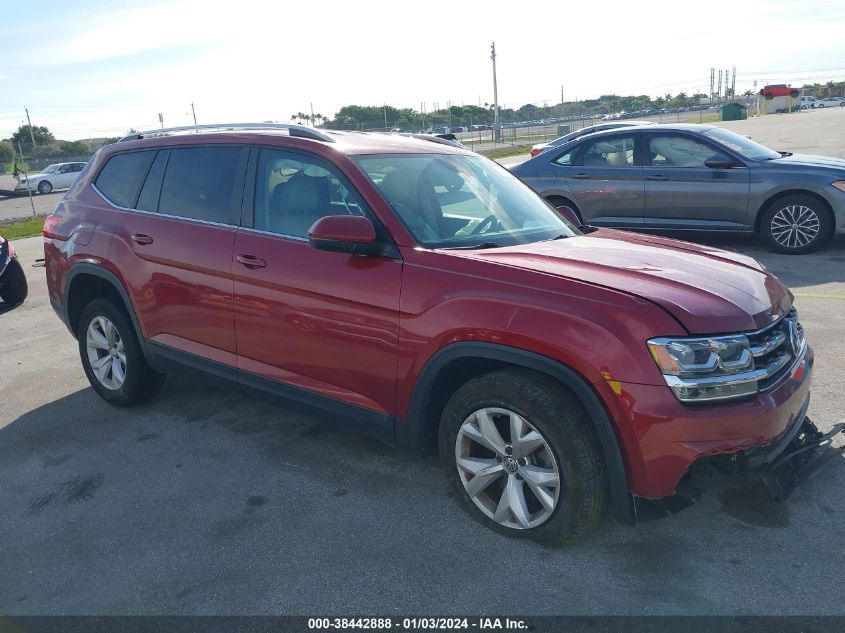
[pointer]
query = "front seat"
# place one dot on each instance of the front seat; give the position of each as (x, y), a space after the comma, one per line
(298, 206)
(401, 193)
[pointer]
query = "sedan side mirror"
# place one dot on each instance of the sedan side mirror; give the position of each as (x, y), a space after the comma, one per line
(353, 234)
(719, 161)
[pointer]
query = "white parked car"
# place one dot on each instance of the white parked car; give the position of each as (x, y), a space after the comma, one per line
(58, 176)
(830, 102)
(808, 102)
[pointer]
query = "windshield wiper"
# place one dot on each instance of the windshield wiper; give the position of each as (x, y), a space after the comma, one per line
(471, 247)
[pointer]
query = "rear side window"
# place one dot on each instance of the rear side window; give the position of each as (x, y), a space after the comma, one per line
(120, 180)
(199, 183)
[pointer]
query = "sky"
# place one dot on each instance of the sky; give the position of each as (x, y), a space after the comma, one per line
(93, 68)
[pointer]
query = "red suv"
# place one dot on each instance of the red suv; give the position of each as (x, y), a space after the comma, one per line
(423, 292)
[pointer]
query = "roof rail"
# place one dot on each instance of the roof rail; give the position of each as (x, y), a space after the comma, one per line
(293, 130)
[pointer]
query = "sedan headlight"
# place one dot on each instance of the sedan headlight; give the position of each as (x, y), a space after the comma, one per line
(710, 368)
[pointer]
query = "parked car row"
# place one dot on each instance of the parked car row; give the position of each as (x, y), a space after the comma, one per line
(693, 178)
(808, 102)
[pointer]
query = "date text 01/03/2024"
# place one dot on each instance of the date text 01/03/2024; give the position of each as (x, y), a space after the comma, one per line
(416, 624)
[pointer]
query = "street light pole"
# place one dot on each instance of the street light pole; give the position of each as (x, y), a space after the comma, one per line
(497, 128)
(194, 112)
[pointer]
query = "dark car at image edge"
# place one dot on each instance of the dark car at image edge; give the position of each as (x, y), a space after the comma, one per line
(424, 294)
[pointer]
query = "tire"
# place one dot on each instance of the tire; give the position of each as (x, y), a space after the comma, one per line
(139, 380)
(45, 186)
(567, 449)
(796, 224)
(13, 286)
(821, 105)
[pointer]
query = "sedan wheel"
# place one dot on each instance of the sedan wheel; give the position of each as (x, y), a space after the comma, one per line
(106, 353)
(797, 224)
(45, 186)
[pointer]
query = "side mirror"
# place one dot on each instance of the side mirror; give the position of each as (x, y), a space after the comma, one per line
(352, 234)
(719, 161)
(568, 214)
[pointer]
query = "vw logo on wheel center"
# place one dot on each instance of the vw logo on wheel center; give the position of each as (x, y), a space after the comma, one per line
(510, 465)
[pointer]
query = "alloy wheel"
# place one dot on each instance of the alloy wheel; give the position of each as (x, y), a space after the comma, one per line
(106, 354)
(795, 226)
(507, 468)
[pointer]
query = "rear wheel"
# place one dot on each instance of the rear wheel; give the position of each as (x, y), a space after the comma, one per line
(112, 357)
(521, 457)
(796, 224)
(45, 186)
(13, 286)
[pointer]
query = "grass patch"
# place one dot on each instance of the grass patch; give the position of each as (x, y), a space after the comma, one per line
(22, 228)
(505, 152)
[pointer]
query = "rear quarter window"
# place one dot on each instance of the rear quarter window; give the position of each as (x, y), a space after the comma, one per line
(121, 178)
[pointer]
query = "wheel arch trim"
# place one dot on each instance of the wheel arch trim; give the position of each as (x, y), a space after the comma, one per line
(411, 433)
(98, 271)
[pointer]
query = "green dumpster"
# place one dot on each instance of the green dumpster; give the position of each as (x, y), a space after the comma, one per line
(734, 112)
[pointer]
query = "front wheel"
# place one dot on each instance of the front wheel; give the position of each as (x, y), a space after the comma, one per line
(112, 357)
(796, 224)
(13, 286)
(521, 457)
(45, 186)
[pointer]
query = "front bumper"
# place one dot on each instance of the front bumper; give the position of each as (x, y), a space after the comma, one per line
(668, 437)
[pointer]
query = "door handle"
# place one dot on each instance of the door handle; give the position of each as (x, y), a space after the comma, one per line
(581, 176)
(140, 238)
(657, 177)
(251, 261)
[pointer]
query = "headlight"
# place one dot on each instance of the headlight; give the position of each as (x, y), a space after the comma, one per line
(711, 368)
(839, 184)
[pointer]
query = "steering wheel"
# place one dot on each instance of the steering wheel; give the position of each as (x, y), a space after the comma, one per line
(485, 224)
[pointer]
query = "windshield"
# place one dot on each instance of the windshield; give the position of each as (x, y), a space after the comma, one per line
(745, 147)
(49, 169)
(451, 201)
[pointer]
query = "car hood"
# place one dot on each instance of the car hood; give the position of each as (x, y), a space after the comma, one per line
(810, 160)
(706, 289)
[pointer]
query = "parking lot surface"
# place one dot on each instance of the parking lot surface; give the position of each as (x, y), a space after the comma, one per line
(205, 501)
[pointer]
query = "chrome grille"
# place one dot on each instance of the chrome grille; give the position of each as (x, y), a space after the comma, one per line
(776, 347)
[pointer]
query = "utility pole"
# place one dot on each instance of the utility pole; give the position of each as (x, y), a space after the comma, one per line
(497, 128)
(449, 105)
(385, 117)
(312, 112)
(719, 89)
(712, 79)
(31, 133)
(194, 112)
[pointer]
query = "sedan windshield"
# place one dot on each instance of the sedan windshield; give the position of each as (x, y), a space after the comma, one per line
(452, 201)
(743, 146)
(49, 169)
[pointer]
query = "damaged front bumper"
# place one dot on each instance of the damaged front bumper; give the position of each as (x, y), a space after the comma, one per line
(781, 466)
